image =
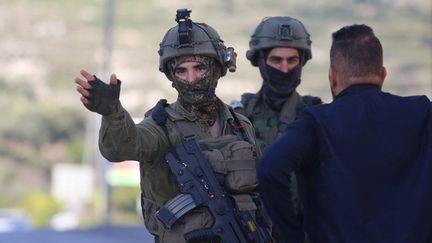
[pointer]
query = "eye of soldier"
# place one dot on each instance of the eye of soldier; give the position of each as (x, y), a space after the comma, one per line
(293, 59)
(200, 69)
(180, 71)
(190, 71)
(278, 59)
(275, 59)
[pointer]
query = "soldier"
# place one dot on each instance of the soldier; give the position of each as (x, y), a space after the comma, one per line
(279, 47)
(193, 57)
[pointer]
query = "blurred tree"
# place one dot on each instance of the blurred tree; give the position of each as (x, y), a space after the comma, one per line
(123, 201)
(39, 207)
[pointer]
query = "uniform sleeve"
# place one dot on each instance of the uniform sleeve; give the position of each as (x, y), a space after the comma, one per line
(293, 151)
(121, 139)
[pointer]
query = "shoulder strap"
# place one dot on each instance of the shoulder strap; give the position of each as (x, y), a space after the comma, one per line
(238, 126)
(246, 97)
(161, 112)
(183, 127)
(158, 112)
(249, 100)
(309, 100)
(160, 116)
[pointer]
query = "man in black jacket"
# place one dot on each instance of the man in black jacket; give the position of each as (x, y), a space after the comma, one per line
(364, 161)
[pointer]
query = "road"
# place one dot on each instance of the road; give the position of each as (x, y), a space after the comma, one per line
(101, 234)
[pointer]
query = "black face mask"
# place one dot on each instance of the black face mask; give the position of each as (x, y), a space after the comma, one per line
(282, 83)
(278, 85)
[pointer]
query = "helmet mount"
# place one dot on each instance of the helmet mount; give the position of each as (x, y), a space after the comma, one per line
(184, 26)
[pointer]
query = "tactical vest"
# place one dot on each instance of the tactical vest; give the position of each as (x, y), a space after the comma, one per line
(269, 124)
(234, 162)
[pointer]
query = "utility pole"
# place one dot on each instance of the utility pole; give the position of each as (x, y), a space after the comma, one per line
(102, 164)
(91, 150)
(107, 38)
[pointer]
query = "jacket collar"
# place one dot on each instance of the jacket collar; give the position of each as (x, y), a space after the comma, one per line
(182, 114)
(357, 88)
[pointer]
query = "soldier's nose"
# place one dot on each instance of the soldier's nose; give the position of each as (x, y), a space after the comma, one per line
(285, 67)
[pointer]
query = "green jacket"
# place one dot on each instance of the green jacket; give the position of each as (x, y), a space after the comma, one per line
(269, 124)
(121, 139)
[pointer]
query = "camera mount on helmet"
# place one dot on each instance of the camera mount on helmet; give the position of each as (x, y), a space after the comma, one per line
(184, 26)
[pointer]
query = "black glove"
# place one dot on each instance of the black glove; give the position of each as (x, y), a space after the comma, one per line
(103, 98)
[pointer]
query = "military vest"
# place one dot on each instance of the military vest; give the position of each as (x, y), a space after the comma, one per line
(234, 162)
(269, 124)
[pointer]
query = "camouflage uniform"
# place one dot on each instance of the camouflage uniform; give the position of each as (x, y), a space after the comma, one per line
(270, 122)
(232, 156)
(120, 139)
(270, 33)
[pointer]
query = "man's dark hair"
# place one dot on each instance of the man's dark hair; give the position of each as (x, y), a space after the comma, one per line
(356, 51)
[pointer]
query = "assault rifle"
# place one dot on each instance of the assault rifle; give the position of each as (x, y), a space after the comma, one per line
(199, 187)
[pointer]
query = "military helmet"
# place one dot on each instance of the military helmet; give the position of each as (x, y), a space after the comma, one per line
(190, 38)
(280, 31)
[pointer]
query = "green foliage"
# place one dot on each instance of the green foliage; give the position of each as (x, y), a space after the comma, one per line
(124, 204)
(40, 122)
(2, 204)
(40, 207)
(76, 150)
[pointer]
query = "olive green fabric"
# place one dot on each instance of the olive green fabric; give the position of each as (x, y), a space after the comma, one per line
(269, 124)
(279, 31)
(205, 41)
(234, 162)
(120, 139)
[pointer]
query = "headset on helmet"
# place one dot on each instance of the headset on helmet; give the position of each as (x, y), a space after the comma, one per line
(190, 38)
(280, 31)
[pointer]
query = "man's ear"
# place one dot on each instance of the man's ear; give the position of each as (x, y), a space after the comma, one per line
(382, 76)
(383, 73)
(332, 78)
(335, 80)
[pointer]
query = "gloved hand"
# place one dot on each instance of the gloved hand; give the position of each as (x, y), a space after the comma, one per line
(103, 97)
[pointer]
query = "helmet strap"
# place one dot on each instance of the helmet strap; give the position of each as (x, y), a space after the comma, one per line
(302, 55)
(262, 65)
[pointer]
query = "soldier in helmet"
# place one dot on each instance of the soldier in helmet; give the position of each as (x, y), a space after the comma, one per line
(193, 57)
(279, 47)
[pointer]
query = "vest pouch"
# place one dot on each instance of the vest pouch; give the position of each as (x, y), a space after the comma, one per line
(240, 167)
(234, 162)
(197, 218)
